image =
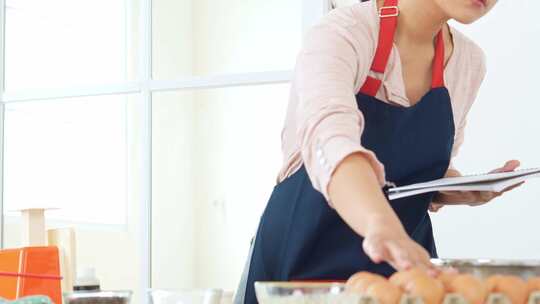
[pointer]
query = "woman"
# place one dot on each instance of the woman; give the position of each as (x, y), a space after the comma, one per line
(380, 94)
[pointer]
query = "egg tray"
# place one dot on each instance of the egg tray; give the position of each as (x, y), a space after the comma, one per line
(320, 293)
(454, 298)
(348, 298)
(484, 268)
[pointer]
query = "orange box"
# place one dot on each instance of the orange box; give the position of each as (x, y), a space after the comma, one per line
(30, 271)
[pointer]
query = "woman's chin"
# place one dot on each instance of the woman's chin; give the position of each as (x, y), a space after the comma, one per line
(467, 19)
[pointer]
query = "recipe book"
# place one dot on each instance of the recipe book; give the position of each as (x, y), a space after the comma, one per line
(495, 182)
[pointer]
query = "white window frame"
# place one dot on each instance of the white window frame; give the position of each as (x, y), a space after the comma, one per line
(312, 10)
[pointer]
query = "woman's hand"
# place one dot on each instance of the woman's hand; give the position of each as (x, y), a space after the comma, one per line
(389, 243)
(357, 197)
(471, 198)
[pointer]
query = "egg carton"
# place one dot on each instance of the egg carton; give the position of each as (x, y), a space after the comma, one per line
(454, 298)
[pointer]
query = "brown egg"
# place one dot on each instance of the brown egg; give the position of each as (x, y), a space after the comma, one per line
(402, 278)
(429, 289)
(513, 287)
(471, 288)
(446, 279)
(533, 284)
(385, 292)
(360, 281)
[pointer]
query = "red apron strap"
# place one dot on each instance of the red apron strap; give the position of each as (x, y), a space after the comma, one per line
(438, 62)
(371, 86)
(388, 15)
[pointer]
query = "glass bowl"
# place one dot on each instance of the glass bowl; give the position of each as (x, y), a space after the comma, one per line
(188, 296)
(98, 297)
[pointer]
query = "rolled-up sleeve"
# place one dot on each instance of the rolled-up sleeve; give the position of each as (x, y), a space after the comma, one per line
(459, 138)
(329, 124)
(476, 72)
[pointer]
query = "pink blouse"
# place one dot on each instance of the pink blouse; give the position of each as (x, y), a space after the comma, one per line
(323, 124)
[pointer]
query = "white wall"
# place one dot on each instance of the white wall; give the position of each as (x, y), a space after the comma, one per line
(172, 34)
(503, 124)
(216, 152)
(173, 191)
(238, 156)
(210, 184)
(173, 205)
(245, 35)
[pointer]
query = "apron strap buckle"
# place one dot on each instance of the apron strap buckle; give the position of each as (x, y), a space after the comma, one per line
(388, 11)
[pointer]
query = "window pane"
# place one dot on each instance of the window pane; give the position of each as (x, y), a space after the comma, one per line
(68, 154)
(206, 37)
(216, 156)
(61, 43)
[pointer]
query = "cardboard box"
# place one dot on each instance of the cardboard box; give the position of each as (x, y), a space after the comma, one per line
(30, 271)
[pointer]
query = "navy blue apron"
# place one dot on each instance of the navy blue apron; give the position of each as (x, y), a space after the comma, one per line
(301, 238)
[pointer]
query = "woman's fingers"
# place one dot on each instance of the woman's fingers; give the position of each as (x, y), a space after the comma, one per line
(434, 207)
(509, 166)
(456, 197)
(396, 248)
(486, 197)
(475, 198)
(377, 250)
(401, 254)
(374, 249)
